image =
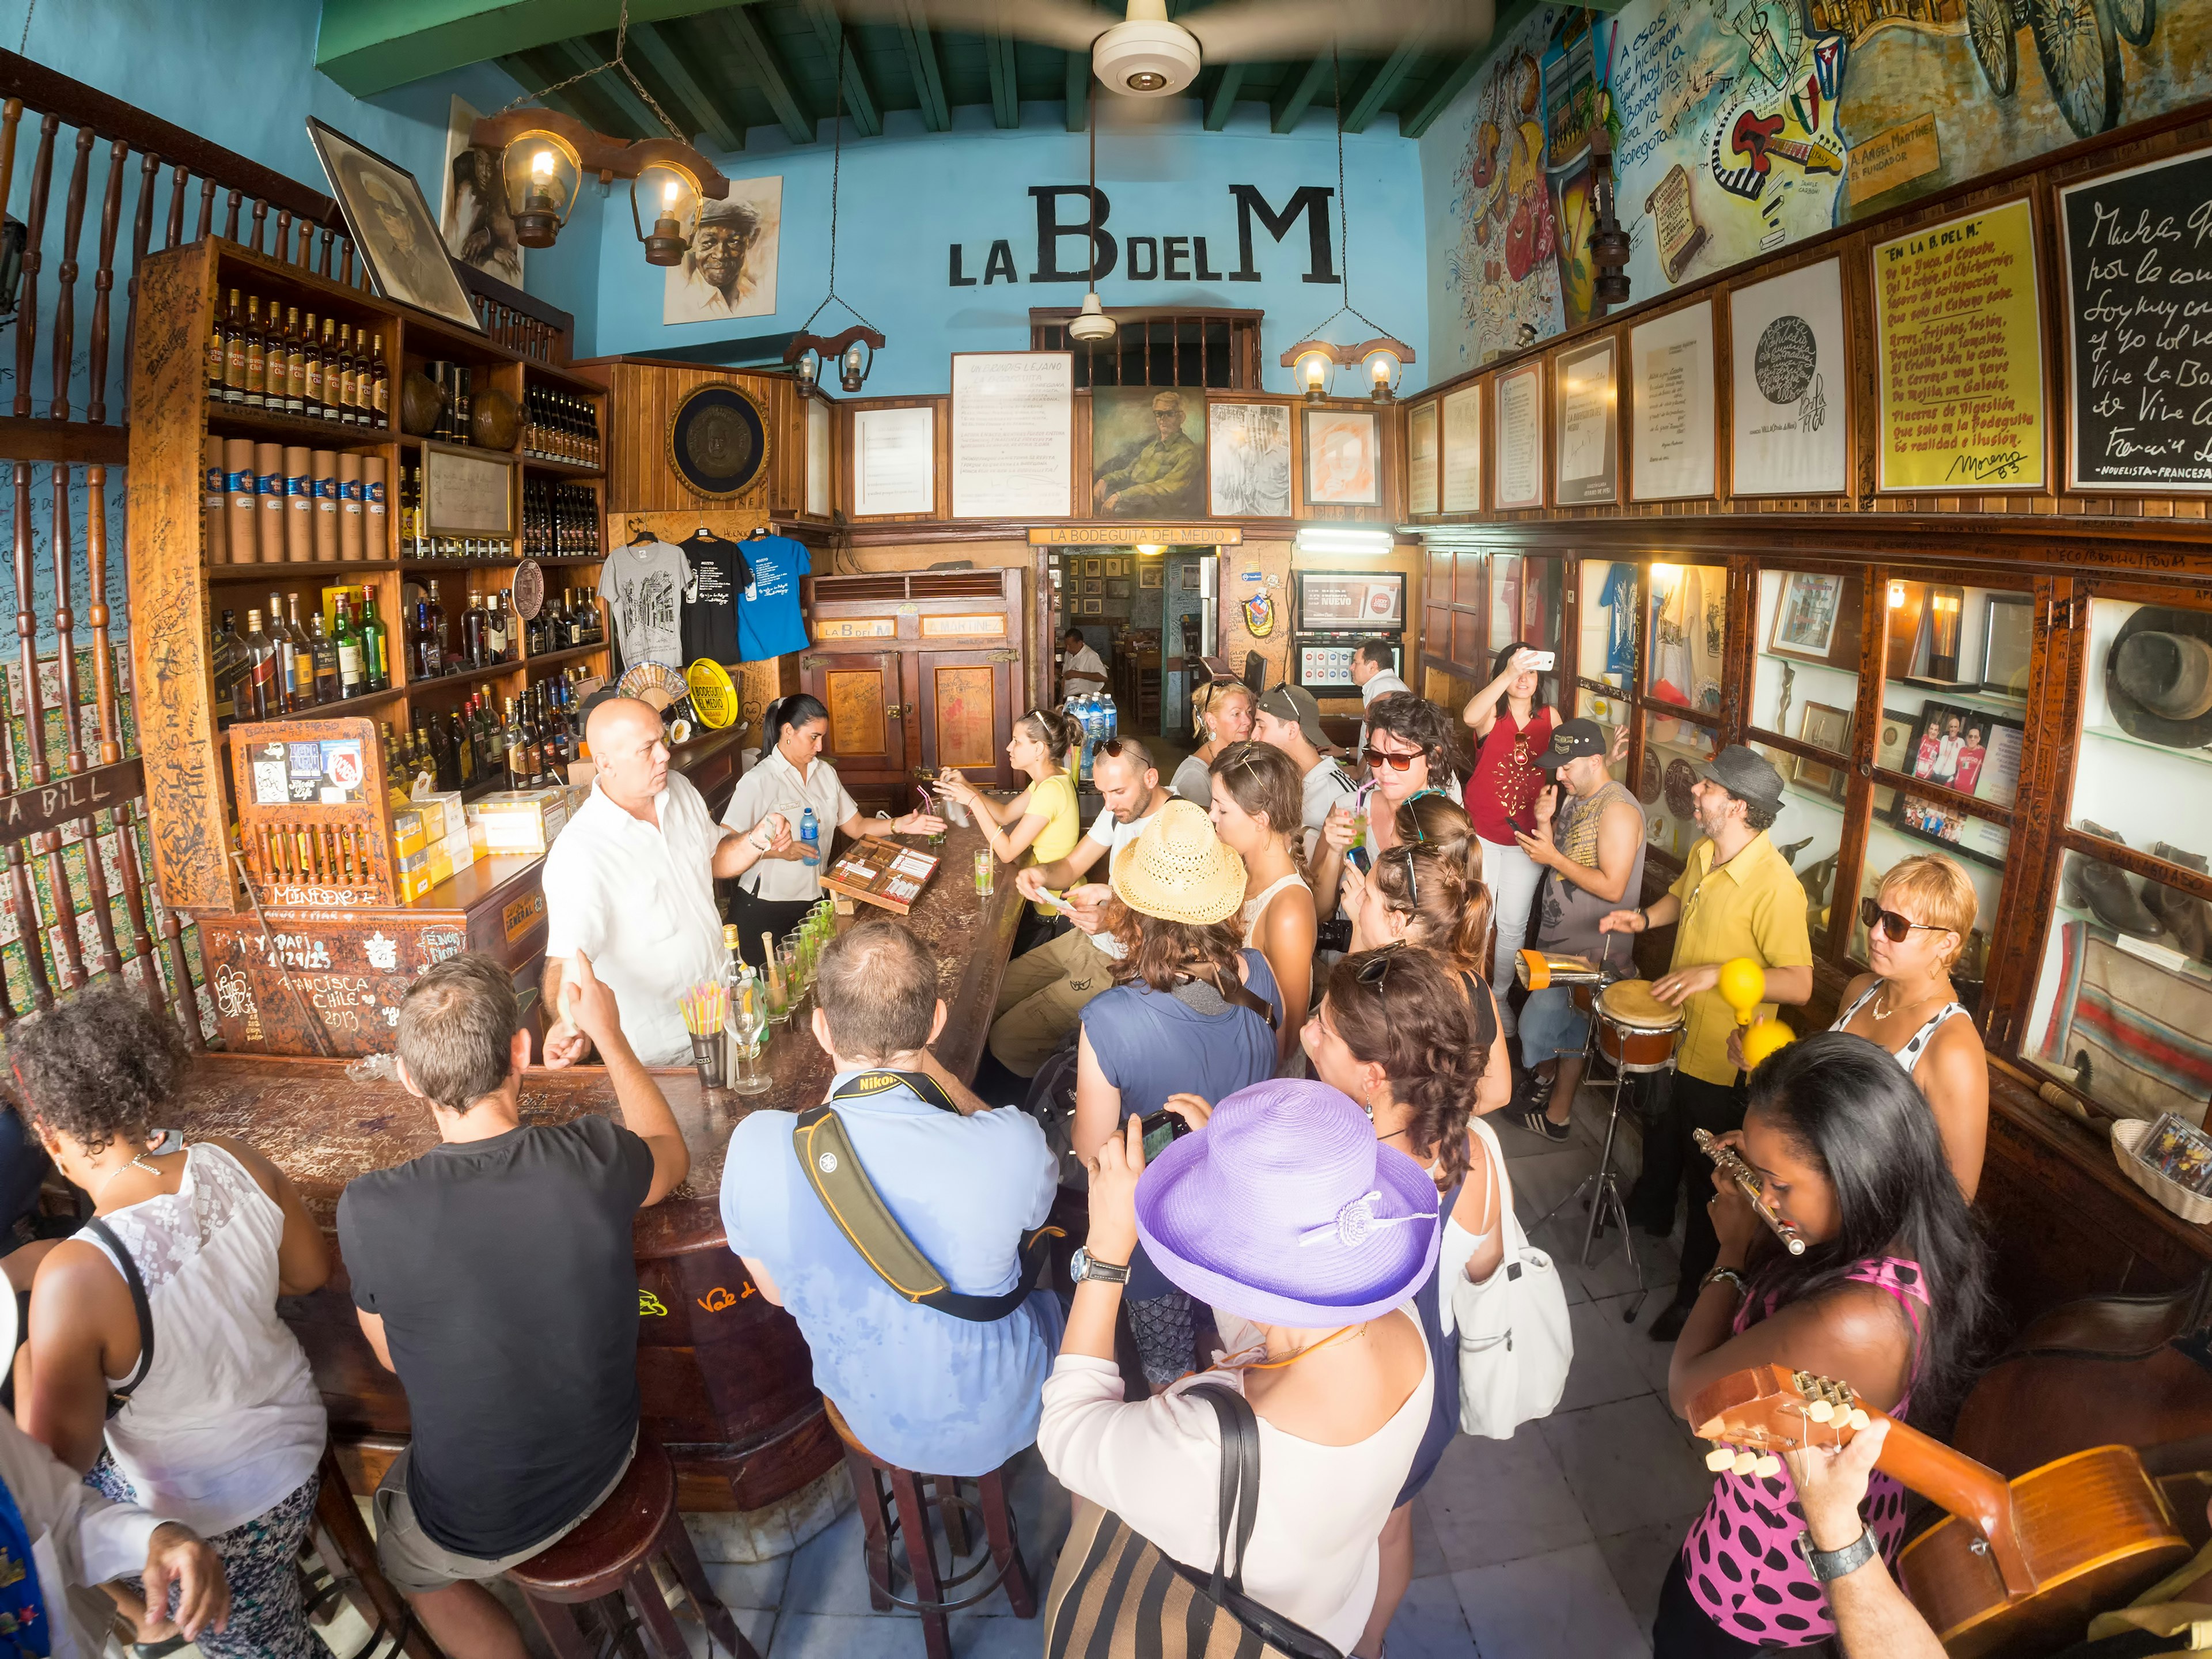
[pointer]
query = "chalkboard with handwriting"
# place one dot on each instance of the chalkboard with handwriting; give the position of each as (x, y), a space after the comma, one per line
(2138, 247)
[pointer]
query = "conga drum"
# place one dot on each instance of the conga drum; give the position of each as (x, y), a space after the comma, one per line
(1635, 1030)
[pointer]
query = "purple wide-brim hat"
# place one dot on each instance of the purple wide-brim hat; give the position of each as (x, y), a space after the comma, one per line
(1285, 1210)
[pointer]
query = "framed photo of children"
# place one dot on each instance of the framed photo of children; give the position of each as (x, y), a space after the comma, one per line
(1973, 752)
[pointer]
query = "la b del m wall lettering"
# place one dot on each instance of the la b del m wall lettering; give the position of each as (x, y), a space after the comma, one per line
(1155, 256)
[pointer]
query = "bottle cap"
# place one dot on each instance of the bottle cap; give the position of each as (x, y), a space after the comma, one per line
(730, 935)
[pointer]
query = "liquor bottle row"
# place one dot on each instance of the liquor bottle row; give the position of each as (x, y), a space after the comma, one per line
(526, 744)
(266, 674)
(284, 503)
(282, 367)
(488, 632)
(559, 519)
(416, 541)
(456, 401)
(571, 624)
(560, 426)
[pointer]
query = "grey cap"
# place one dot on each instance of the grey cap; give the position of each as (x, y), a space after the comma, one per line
(1295, 703)
(1747, 775)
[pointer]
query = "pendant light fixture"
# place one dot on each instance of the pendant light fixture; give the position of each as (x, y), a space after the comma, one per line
(1313, 362)
(1092, 325)
(545, 155)
(854, 350)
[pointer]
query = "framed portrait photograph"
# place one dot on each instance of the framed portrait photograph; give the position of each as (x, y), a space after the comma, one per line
(1343, 463)
(1969, 749)
(1151, 575)
(1191, 580)
(1117, 587)
(1248, 460)
(1093, 584)
(1950, 828)
(1092, 566)
(1893, 750)
(2008, 642)
(1094, 607)
(399, 239)
(1810, 616)
(1824, 726)
(1147, 451)
(472, 214)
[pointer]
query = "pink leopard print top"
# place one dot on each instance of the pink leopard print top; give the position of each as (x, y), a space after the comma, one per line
(1741, 1556)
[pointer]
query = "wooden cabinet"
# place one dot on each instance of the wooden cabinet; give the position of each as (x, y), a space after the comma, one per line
(917, 669)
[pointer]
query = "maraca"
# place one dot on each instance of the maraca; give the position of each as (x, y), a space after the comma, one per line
(1764, 1040)
(1743, 987)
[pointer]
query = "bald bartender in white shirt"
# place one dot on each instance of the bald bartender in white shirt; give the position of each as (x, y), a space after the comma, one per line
(629, 884)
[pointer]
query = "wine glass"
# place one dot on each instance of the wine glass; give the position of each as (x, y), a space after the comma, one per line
(748, 1022)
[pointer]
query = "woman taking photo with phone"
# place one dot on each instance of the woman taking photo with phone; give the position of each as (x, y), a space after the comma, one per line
(1410, 749)
(1223, 716)
(1887, 1298)
(1041, 821)
(1191, 1009)
(1256, 813)
(1511, 729)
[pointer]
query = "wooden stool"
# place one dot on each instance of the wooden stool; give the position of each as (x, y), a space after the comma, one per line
(339, 1564)
(609, 1559)
(871, 1476)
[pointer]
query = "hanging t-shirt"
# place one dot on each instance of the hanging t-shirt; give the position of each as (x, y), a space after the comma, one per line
(643, 585)
(1619, 600)
(768, 622)
(719, 574)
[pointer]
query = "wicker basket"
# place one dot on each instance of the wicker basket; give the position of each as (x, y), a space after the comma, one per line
(2127, 1135)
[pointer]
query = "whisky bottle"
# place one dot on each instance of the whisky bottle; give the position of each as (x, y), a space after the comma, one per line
(286, 676)
(227, 661)
(295, 365)
(302, 683)
(379, 390)
(263, 692)
(256, 366)
(328, 687)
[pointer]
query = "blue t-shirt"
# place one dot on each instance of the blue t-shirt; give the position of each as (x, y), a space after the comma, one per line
(922, 1389)
(768, 622)
(1618, 597)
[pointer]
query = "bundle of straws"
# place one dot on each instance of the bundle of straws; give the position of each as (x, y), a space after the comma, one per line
(705, 1006)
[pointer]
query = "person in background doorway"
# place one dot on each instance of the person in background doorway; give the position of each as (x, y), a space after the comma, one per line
(1221, 714)
(1511, 728)
(1374, 671)
(1589, 839)
(1288, 718)
(1041, 821)
(1081, 669)
(224, 1430)
(1409, 750)
(1256, 813)
(1736, 896)
(782, 881)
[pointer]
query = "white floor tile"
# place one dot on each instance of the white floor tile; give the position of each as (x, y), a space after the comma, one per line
(1625, 1463)
(1606, 1367)
(829, 1572)
(749, 1585)
(1562, 1605)
(1639, 1560)
(1430, 1624)
(1494, 1500)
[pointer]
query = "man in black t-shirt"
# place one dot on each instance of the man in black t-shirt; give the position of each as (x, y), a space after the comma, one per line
(495, 1275)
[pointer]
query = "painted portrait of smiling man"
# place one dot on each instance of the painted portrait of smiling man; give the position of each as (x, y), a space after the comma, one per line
(730, 269)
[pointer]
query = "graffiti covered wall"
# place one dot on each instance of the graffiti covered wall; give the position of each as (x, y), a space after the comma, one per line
(1743, 125)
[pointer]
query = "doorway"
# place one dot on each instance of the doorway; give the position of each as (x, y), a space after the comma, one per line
(1151, 613)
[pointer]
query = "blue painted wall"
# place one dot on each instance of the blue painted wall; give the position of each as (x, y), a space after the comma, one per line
(906, 195)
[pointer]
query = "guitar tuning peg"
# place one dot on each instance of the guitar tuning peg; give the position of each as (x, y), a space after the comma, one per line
(1719, 1458)
(1767, 1466)
(1819, 1411)
(1858, 1419)
(1744, 1463)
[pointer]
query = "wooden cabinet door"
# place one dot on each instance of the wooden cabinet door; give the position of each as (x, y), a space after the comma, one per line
(867, 718)
(966, 701)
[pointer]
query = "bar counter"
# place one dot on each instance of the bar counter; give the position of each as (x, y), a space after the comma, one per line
(727, 1379)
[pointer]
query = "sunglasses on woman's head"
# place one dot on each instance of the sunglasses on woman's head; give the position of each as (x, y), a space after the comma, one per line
(1377, 968)
(1396, 762)
(1890, 923)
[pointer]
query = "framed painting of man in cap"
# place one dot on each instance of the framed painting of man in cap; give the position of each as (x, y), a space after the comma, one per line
(1147, 453)
(730, 270)
(392, 227)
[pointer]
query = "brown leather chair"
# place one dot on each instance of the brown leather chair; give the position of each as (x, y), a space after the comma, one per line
(932, 1582)
(608, 1561)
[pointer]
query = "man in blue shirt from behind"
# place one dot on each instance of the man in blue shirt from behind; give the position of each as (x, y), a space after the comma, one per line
(921, 1389)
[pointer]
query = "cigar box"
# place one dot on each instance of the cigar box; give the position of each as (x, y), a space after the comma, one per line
(517, 820)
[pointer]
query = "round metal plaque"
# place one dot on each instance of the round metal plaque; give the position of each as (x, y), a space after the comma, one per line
(718, 440)
(529, 589)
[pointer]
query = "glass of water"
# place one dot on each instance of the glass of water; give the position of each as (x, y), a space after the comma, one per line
(748, 1023)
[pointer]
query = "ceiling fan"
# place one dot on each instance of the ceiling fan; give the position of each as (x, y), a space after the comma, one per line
(1146, 54)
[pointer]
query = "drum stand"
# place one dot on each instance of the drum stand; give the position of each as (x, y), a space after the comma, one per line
(1602, 1184)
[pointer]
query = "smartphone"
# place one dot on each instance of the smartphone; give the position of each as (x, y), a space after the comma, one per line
(1161, 1130)
(1052, 900)
(1543, 661)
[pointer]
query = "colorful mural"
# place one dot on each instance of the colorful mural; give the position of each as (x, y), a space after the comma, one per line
(1741, 126)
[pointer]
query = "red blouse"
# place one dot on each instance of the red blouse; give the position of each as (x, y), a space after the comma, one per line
(1502, 793)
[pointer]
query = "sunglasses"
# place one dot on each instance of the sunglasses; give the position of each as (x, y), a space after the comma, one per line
(1890, 923)
(1377, 969)
(1396, 762)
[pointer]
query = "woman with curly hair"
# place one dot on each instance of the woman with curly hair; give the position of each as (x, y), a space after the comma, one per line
(1192, 1011)
(1411, 747)
(1397, 1033)
(223, 1428)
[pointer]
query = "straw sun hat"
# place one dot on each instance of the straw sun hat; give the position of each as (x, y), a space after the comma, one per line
(1179, 870)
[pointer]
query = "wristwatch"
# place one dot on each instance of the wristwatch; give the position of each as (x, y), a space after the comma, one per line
(1087, 1266)
(1828, 1565)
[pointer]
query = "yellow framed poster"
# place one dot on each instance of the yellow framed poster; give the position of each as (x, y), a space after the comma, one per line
(1959, 339)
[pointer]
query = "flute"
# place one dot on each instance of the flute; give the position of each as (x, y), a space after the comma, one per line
(1726, 1161)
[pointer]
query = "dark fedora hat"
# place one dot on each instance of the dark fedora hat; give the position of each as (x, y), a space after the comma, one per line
(2158, 677)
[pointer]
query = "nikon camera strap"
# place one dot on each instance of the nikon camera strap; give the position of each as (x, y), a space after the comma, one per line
(825, 1152)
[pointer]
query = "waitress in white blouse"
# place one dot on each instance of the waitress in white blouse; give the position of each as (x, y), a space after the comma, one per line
(791, 777)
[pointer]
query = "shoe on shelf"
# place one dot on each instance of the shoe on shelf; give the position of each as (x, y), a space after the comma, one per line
(2187, 919)
(1668, 1325)
(1536, 1123)
(2103, 889)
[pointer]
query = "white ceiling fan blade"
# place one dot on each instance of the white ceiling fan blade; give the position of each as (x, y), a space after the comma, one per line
(1067, 24)
(1261, 30)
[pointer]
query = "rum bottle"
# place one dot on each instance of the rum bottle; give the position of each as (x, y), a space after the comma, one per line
(255, 354)
(295, 365)
(218, 357)
(311, 362)
(379, 389)
(233, 354)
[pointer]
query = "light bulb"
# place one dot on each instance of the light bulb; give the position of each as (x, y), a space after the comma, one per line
(1896, 595)
(669, 192)
(541, 165)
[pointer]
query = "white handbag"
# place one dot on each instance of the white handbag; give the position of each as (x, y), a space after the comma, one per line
(1515, 1345)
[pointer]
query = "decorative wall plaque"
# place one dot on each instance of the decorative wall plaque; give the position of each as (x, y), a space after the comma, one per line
(718, 440)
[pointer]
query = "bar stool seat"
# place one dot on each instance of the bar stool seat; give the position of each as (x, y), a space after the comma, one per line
(607, 1562)
(893, 1500)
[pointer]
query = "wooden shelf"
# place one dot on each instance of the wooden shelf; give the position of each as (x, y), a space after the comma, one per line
(570, 653)
(504, 457)
(241, 421)
(559, 469)
(563, 378)
(463, 681)
(224, 575)
(332, 711)
(434, 566)
(569, 558)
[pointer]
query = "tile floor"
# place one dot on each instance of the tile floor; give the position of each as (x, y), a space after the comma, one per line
(1548, 1545)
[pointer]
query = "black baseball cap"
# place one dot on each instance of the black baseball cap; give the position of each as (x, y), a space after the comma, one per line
(1572, 741)
(1747, 775)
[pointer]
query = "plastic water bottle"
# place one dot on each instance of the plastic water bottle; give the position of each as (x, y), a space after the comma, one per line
(1113, 715)
(1080, 707)
(810, 837)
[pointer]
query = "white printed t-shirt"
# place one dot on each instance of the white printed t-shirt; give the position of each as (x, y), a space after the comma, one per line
(643, 585)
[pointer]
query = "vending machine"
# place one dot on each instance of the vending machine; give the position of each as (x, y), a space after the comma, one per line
(1333, 614)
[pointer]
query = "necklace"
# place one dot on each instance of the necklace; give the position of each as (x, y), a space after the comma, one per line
(1880, 1012)
(136, 1163)
(1333, 1338)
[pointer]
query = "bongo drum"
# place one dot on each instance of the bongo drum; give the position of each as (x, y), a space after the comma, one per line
(1635, 1030)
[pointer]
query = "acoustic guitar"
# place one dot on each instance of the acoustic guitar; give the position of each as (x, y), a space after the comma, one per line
(2019, 1566)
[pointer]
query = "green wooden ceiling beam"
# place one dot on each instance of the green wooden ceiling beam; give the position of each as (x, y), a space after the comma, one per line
(1223, 99)
(1006, 90)
(748, 46)
(1382, 87)
(1078, 91)
(1297, 94)
(369, 46)
(697, 108)
(531, 74)
(921, 61)
(860, 102)
(610, 87)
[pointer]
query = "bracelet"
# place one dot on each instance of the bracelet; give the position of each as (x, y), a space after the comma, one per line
(1717, 1275)
(1643, 917)
(1830, 1564)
